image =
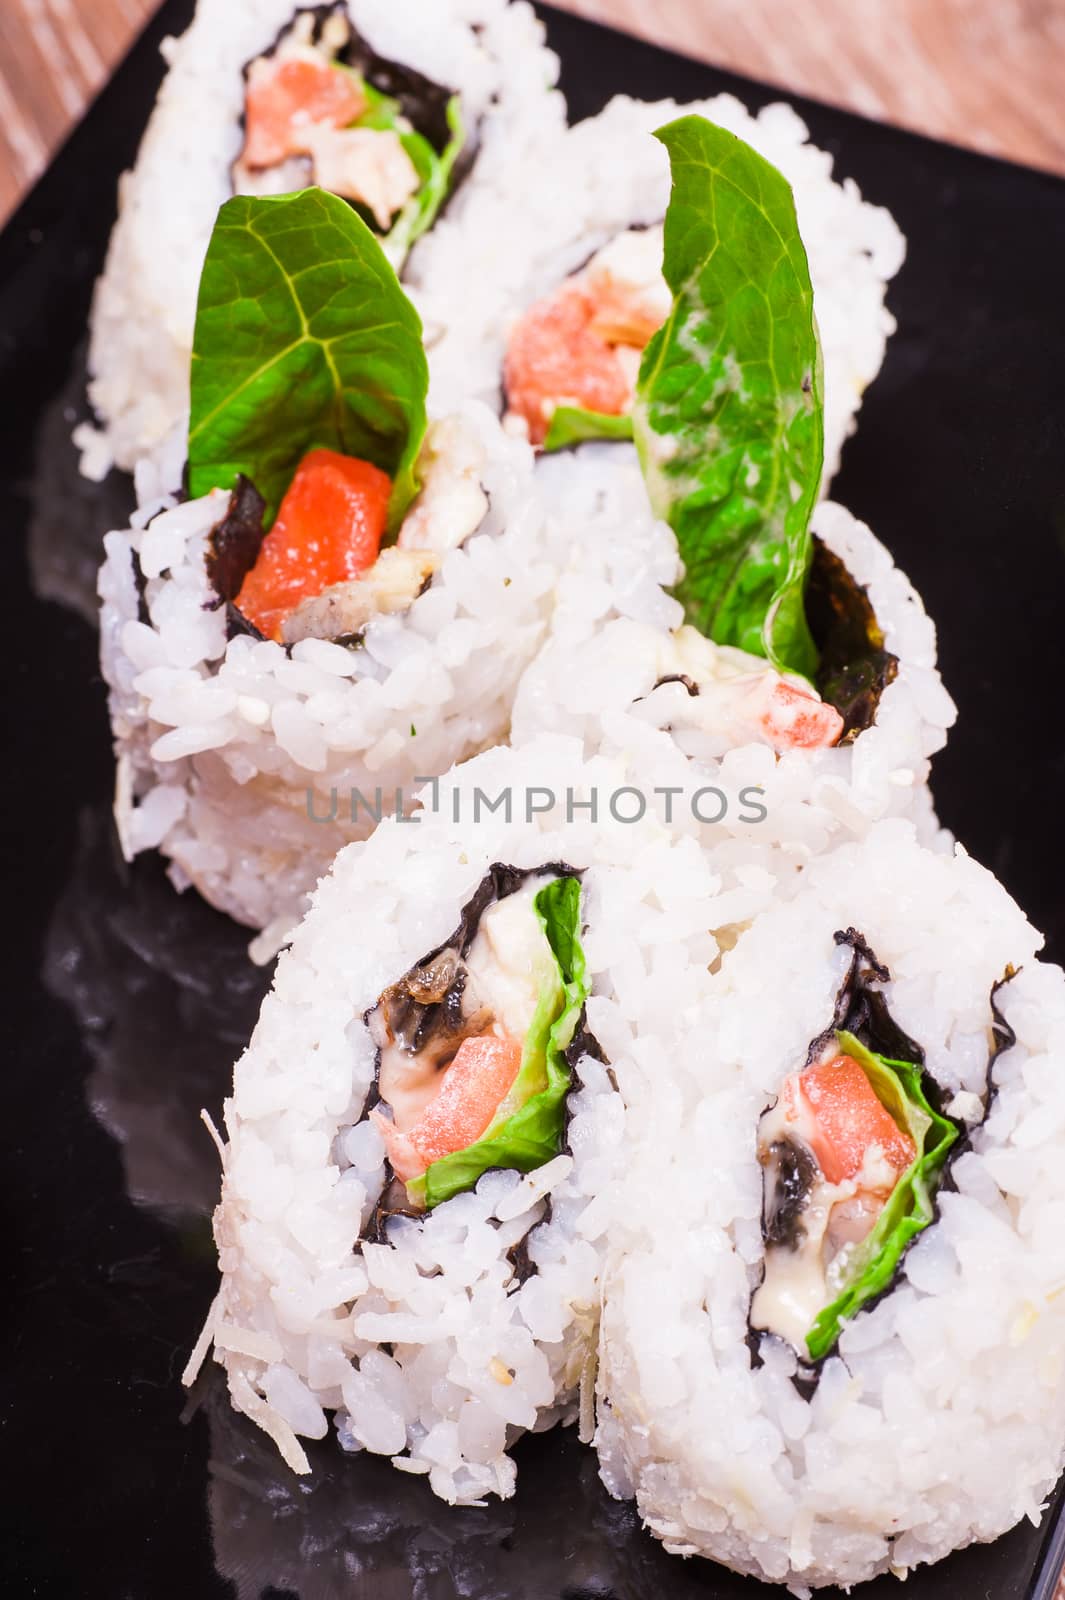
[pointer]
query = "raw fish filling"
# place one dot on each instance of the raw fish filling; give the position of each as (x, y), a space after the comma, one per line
(472, 1071)
(582, 345)
(321, 571)
(851, 1134)
(734, 698)
(309, 118)
(468, 1092)
(291, 100)
(328, 530)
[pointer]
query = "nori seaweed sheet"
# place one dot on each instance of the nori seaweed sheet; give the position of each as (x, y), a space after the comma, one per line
(796, 1173)
(233, 547)
(862, 1010)
(678, 677)
(423, 102)
(855, 668)
(140, 581)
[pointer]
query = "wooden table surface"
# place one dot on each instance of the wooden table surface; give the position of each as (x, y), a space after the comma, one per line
(987, 73)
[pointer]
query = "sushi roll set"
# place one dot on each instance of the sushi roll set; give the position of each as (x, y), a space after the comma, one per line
(361, 97)
(641, 1054)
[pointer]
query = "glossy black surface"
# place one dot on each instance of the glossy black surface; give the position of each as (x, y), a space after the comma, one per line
(125, 1005)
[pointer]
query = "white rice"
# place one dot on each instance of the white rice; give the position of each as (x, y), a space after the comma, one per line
(225, 749)
(941, 1419)
(489, 51)
(427, 1349)
(517, 232)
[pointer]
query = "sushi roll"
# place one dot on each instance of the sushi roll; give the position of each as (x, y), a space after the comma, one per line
(625, 673)
(719, 623)
(374, 100)
(423, 1132)
(838, 1351)
(568, 265)
(341, 600)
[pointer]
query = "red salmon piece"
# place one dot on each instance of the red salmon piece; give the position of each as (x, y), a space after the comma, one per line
(795, 719)
(287, 97)
(471, 1090)
(481, 1073)
(554, 358)
(328, 530)
(848, 1118)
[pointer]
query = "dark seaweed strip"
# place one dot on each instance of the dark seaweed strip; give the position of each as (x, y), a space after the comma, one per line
(583, 1044)
(423, 102)
(140, 583)
(753, 1340)
(238, 623)
(855, 668)
(679, 677)
(498, 882)
(522, 1264)
(233, 548)
(235, 542)
(393, 1202)
(796, 1171)
(1003, 1038)
(862, 1010)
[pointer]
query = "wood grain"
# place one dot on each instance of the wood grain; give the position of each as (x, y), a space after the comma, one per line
(985, 73)
(54, 56)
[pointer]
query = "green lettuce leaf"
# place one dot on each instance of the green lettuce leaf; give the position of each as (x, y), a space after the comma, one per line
(869, 1271)
(728, 417)
(530, 1136)
(303, 338)
(573, 425)
(436, 172)
(382, 111)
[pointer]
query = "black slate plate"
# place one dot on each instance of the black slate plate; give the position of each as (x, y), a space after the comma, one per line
(125, 1005)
